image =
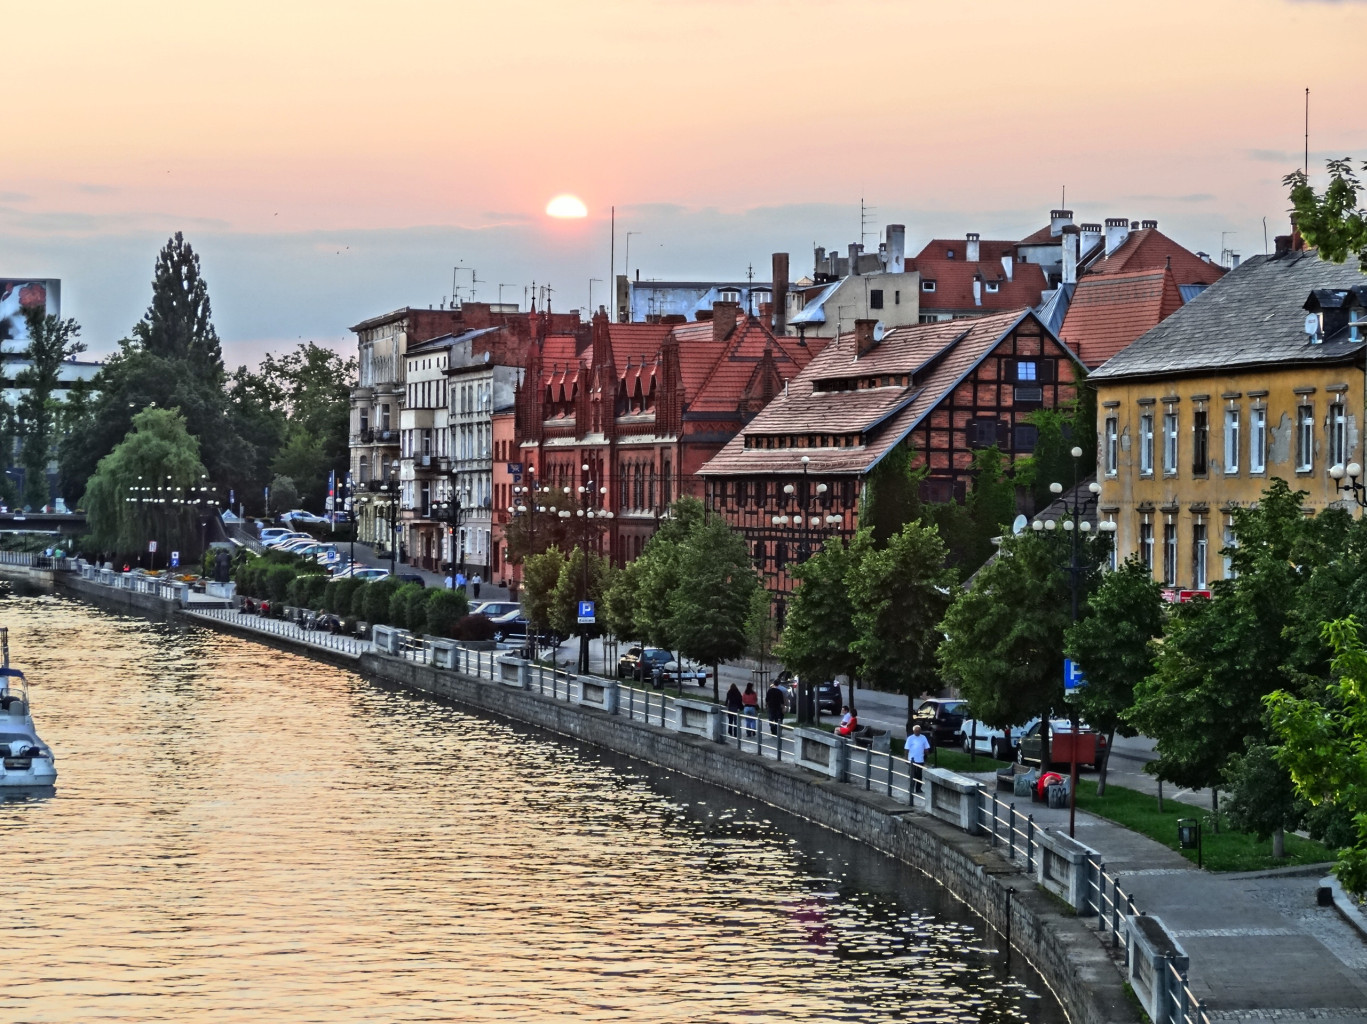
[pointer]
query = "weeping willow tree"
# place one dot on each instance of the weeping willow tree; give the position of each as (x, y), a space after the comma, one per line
(146, 488)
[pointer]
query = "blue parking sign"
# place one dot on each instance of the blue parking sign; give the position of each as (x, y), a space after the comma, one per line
(1073, 677)
(586, 612)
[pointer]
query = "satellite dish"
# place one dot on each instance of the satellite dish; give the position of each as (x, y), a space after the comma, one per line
(1018, 527)
(1312, 325)
(878, 331)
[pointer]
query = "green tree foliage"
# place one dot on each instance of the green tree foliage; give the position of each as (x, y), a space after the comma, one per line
(659, 575)
(408, 607)
(445, 608)
(1219, 658)
(899, 596)
(818, 630)
(1262, 798)
(1003, 642)
(892, 494)
(1071, 425)
(1114, 645)
(563, 610)
(52, 341)
(1332, 222)
(158, 453)
(540, 577)
(711, 599)
(338, 594)
(619, 601)
(171, 361)
(969, 529)
(284, 495)
(1323, 739)
(376, 599)
(760, 629)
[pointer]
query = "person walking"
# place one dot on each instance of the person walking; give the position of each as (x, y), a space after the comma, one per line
(734, 704)
(775, 702)
(750, 703)
(475, 581)
(449, 581)
(460, 581)
(917, 746)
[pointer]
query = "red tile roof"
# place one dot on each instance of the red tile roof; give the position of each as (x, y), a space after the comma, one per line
(1044, 236)
(990, 250)
(937, 356)
(1108, 311)
(1150, 249)
(954, 285)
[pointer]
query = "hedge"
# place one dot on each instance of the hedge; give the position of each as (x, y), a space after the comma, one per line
(475, 627)
(374, 598)
(446, 608)
(407, 607)
(338, 595)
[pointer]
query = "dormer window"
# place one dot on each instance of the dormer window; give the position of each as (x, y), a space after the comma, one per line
(728, 295)
(993, 286)
(927, 286)
(949, 254)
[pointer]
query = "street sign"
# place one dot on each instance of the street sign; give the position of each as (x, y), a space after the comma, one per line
(586, 612)
(175, 559)
(152, 547)
(1073, 677)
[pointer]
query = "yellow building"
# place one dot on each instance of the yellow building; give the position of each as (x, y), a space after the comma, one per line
(1261, 376)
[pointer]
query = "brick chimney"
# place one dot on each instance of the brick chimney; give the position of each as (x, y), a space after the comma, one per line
(971, 251)
(863, 337)
(724, 319)
(780, 321)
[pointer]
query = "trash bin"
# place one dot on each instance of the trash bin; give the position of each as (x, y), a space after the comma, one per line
(1188, 833)
(1057, 796)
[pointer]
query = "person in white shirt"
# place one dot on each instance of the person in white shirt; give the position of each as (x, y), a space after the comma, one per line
(917, 746)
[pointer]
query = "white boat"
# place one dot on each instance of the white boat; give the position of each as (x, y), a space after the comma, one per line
(26, 762)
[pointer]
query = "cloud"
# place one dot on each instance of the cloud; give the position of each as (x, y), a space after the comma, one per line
(1194, 197)
(15, 197)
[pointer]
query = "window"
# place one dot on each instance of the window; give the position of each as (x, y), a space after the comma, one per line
(1170, 443)
(1231, 441)
(1198, 556)
(1170, 554)
(1338, 435)
(897, 297)
(1230, 573)
(729, 295)
(1027, 437)
(1146, 544)
(1257, 441)
(927, 286)
(993, 286)
(1200, 442)
(384, 417)
(982, 433)
(1305, 438)
(365, 421)
(1112, 446)
(876, 298)
(1026, 371)
(1146, 444)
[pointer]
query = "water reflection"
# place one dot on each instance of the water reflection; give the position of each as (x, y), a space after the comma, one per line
(243, 835)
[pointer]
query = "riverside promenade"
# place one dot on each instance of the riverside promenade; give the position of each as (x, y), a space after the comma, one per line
(1259, 946)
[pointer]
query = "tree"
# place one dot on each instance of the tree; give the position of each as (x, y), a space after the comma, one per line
(1323, 738)
(710, 602)
(818, 630)
(156, 457)
(284, 495)
(658, 574)
(1071, 425)
(618, 612)
(1261, 797)
(1332, 222)
(563, 610)
(178, 323)
(1114, 647)
(899, 596)
(892, 493)
(52, 341)
(760, 629)
(540, 576)
(1003, 642)
(444, 609)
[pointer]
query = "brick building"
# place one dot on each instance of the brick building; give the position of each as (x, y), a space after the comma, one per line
(795, 473)
(644, 406)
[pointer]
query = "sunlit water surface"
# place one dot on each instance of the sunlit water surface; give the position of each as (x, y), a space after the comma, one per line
(245, 835)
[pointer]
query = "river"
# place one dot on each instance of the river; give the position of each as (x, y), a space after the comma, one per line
(242, 835)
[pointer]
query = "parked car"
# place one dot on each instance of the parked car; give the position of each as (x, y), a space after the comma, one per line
(980, 738)
(1092, 744)
(647, 660)
(493, 609)
(272, 533)
(941, 720)
(829, 697)
(298, 515)
(514, 627)
(365, 572)
(412, 577)
(690, 672)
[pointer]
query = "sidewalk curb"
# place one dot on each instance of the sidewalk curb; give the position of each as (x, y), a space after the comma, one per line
(1352, 912)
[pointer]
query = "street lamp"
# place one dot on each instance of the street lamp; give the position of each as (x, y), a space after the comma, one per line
(1076, 528)
(450, 512)
(589, 494)
(803, 519)
(1354, 485)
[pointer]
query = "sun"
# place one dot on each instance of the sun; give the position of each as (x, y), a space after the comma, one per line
(566, 206)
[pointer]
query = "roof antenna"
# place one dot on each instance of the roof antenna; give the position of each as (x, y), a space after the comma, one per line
(1063, 197)
(1307, 132)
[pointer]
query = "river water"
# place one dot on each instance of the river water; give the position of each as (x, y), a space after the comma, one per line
(244, 835)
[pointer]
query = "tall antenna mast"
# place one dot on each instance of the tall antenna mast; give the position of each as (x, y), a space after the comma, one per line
(865, 215)
(1307, 132)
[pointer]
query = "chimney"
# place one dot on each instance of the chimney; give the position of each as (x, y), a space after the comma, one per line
(977, 289)
(1149, 224)
(1009, 265)
(897, 248)
(780, 321)
(1117, 230)
(971, 249)
(1070, 237)
(1234, 261)
(818, 259)
(724, 319)
(854, 258)
(1057, 220)
(863, 337)
(1091, 238)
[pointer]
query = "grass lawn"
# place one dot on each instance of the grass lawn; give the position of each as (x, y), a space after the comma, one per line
(1227, 851)
(957, 761)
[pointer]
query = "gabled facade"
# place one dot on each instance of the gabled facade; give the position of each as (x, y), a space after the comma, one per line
(644, 406)
(796, 472)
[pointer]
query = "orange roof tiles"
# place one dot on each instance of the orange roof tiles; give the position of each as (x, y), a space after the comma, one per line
(954, 285)
(1150, 249)
(1108, 311)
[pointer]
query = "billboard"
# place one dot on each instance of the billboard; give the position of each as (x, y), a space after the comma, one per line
(18, 295)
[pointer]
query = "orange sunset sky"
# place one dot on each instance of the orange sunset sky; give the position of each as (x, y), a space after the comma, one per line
(332, 161)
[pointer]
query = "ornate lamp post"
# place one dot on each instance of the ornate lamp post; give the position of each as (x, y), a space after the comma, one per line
(450, 512)
(1077, 529)
(1353, 484)
(588, 495)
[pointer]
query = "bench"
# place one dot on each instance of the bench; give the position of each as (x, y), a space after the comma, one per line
(873, 739)
(1009, 777)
